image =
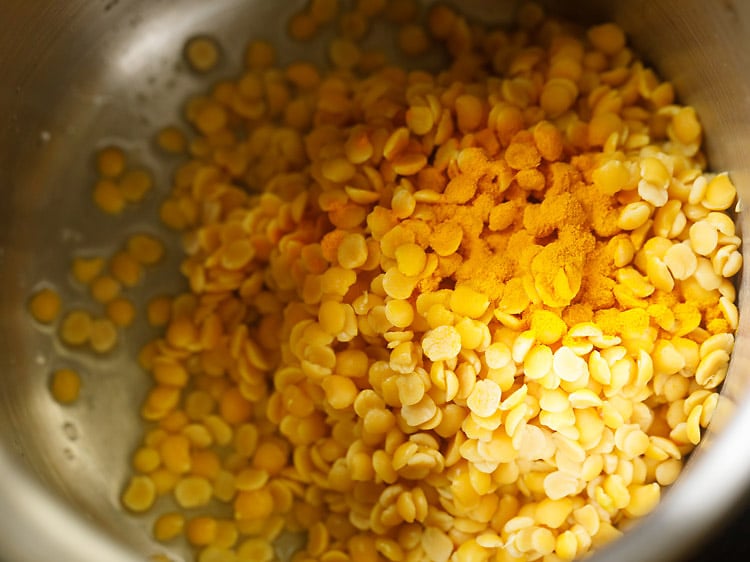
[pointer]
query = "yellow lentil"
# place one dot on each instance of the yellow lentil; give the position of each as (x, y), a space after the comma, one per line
(441, 343)
(121, 311)
(202, 53)
(108, 197)
(103, 336)
(140, 494)
(105, 288)
(85, 270)
(399, 313)
(110, 162)
(352, 251)
(201, 531)
(135, 184)
(413, 40)
(193, 491)
(302, 27)
(125, 269)
(323, 11)
(255, 549)
(174, 451)
(76, 327)
(353, 25)
(65, 386)
(344, 54)
(172, 140)
(45, 305)
(720, 193)
(159, 310)
(146, 459)
(168, 526)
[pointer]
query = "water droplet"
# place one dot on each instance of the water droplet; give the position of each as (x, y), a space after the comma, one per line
(70, 430)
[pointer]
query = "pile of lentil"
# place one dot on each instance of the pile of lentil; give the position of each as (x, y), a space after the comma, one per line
(472, 315)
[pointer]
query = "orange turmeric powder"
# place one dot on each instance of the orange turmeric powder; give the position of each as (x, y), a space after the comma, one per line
(561, 221)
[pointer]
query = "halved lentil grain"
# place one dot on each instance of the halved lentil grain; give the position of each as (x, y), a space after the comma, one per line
(65, 385)
(45, 305)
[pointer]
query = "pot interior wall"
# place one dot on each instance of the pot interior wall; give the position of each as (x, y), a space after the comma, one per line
(82, 74)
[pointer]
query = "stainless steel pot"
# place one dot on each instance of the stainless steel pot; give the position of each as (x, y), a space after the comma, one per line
(79, 73)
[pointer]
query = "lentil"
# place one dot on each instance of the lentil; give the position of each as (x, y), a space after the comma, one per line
(103, 336)
(108, 197)
(140, 494)
(121, 311)
(65, 386)
(145, 249)
(172, 140)
(168, 526)
(135, 184)
(45, 305)
(110, 161)
(158, 310)
(75, 328)
(202, 53)
(105, 288)
(85, 270)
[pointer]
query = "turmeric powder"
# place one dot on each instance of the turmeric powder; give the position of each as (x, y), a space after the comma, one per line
(458, 307)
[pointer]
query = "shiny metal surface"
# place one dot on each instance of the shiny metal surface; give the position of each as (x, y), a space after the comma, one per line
(77, 74)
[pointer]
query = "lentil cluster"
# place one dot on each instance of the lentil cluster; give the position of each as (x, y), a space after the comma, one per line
(472, 315)
(106, 279)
